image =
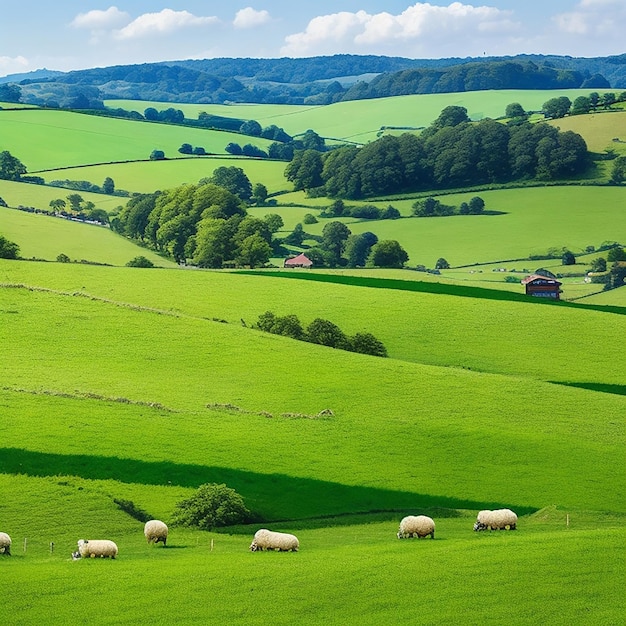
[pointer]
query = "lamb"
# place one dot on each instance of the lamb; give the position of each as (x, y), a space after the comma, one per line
(5, 544)
(500, 519)
(156, 531)
(102, 548)
(416, 526)
(269, 540)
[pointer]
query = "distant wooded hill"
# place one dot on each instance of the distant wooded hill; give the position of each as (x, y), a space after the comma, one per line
(314, 80)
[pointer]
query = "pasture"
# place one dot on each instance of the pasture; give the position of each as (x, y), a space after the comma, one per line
(133, 375)
(138, 385)
(73, 139)
(532, 221)
(361, 120)
(45, 237)
(150, 176)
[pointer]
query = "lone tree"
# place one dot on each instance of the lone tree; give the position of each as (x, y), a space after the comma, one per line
(212, 506)
(388, 253)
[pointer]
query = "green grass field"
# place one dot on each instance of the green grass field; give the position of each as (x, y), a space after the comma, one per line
(361, 120)
(121, 379)
(533, 220)
(44, 237)
(150, 176)
(141, 384)
(73, 139)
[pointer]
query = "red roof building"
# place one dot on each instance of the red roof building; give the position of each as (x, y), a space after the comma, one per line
(542, 286)
(299, 261)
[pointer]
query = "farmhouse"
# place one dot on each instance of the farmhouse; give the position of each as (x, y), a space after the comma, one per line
(542, 286)
(299, 261)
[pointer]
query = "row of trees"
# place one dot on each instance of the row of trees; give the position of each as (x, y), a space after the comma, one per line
(322, 332)
(556, 108)
(452, 152)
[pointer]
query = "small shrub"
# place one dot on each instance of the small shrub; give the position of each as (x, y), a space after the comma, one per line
(140, 261)
(309, 218)
(212, 506)
(63, 258)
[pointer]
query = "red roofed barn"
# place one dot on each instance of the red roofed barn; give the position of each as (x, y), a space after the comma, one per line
(542, 286)
(299, 261)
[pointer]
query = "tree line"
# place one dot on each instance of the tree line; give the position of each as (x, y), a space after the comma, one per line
(451, 152)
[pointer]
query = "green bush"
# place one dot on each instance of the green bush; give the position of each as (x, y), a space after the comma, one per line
(140, 261)
(212, 506)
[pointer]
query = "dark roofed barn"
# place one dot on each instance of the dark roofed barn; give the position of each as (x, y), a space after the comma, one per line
(542, 286)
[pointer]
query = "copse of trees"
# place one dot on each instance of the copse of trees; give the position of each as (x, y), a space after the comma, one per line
(452, 152)
(203, 224)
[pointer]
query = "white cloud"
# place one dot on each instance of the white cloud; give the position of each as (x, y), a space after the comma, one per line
(422, 26)
(603, 19)
(101, 20)
(13, 65)
(166, 21)
(250, 18)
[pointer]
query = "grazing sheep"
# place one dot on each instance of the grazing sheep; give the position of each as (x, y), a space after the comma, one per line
(5, 544)
(269, 540)
(102, 548)
(155, 531)
(500, 519)
(416, 526)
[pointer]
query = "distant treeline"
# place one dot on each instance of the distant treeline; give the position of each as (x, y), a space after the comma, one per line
(315, 80)
(452, 152)
(472, 77)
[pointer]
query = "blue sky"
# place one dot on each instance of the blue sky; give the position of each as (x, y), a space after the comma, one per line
(76, 34)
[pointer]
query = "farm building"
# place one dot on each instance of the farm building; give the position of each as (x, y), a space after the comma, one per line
(299, 261)
(542, 286)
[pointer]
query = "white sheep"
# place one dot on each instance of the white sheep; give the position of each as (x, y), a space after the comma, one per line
(93, 548)
(156, 531)
(269, 540)
(500, 519)
(5, 544)
(416, 526)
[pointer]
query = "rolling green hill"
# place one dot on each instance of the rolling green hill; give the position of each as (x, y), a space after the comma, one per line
(127, 384)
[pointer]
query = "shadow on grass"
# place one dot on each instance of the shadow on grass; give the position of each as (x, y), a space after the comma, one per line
(272, 497)
(619, 390)
(433, 287)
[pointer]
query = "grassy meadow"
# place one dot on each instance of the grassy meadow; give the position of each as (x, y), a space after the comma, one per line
(361, 120)
(74, 139)
(131, 371)
(138, 385)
